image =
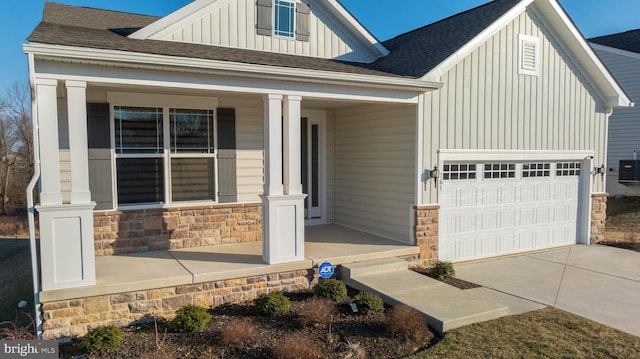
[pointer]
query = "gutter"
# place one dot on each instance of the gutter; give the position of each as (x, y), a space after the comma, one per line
(152, 61)
(35, 271)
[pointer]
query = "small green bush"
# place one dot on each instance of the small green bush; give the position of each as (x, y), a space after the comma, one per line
(102, 339)
(190, 318)
(442, 270)
(331, 289)
(272, 304)
(368, 303)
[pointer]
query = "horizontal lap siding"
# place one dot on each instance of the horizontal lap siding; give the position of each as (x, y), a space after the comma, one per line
(233, 25)
(374, 152)
(486, 104)
(249, 142)
(624, 124)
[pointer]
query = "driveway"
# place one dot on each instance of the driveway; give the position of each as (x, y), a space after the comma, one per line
(598, 282)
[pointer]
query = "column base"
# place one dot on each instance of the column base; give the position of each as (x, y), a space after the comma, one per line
(66, 246)
(283, 228)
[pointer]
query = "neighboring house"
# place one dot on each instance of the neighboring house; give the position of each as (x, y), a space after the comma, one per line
(621, 53)
(234, 121)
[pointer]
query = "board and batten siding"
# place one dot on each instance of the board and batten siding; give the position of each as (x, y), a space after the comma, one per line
(486, 104)
(624, 124)
(234, 25)
(374, 169)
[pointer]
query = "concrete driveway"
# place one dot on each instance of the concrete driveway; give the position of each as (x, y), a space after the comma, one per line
(598, 282)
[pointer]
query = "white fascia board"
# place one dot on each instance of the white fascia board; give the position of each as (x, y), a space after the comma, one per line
(437, 72)
(353, 23)
(176, 19)
(230, 68)
(562, 25)
(511, 155)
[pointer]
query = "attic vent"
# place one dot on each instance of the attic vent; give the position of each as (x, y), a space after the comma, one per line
(529, 55)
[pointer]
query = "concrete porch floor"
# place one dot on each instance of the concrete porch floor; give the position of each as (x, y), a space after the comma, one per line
(160, 269)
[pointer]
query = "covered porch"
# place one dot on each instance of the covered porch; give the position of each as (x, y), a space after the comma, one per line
(139, 272)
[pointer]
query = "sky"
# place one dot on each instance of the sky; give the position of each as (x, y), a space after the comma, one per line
(384, 19)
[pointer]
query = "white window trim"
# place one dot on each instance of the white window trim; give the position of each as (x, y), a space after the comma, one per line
(165, 102)
(293, 36)
(535, 41)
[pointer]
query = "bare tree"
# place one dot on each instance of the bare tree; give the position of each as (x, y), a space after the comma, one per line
(16, 145)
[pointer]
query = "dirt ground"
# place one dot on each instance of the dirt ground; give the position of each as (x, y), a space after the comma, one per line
(623, 223)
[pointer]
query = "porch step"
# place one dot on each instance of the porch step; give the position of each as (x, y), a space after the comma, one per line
(445, 307)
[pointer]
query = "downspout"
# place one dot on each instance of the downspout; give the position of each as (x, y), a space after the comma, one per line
(30, 205)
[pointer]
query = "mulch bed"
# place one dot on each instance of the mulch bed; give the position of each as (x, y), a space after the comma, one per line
(634, 246)
(348, 330)
(452, 281)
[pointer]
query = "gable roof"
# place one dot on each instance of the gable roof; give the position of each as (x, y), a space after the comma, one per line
(627, 41)
(417, 52)
(108, 30)
(198, 8)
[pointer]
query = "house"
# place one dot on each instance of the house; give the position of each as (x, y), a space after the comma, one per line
(262, 124)
(621, 53)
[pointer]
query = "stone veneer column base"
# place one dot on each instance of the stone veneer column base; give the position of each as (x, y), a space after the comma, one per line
(426, 232)
(598, 217)
(75, 317)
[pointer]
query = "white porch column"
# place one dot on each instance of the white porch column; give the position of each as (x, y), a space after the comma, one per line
(273, 145)
(78, 147)
(283, 215)
(292, 150)
(47, 111)
(66, 230)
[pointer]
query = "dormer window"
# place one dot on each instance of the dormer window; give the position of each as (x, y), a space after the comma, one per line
(284, 15)
(288, 19)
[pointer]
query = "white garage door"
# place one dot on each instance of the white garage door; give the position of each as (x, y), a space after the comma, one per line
(495, 208)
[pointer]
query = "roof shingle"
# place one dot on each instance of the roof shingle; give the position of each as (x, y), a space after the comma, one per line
(628, 41)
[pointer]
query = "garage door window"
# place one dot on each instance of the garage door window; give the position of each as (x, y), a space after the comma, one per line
(499, 170)
(565, 169)
(536, 170)
(461, 171)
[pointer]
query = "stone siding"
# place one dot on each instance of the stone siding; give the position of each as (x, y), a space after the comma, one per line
(74, 318)
(598, 217)
(426, 232)
(118, 232)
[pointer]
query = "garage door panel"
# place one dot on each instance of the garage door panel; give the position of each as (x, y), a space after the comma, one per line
(493, 215)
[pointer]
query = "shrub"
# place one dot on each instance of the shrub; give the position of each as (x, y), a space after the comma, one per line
(354, 351)
(442, 270)
(296, 346)
(331, 289)
(368, 303)
(272, 304)
(317, 312)
(102, 339)
(190, 318)
(238, 332)
(406, 321)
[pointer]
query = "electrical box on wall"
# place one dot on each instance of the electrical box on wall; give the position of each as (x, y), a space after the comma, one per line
(629, 172)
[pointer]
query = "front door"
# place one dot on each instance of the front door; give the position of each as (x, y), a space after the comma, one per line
(313, 168)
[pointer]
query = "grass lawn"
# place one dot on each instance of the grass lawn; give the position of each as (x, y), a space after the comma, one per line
(546, 333)
(15, 281)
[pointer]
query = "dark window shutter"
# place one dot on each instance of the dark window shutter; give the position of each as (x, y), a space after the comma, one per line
(227, 172)
(99, 143)
(302, 22)
(265, 17)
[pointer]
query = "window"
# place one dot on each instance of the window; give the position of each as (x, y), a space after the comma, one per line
(460, 171)
(142, 154)
(528, 55)
(536, 170)
(565, 169)
(139, 147)
(284, 15)
(499, 170)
